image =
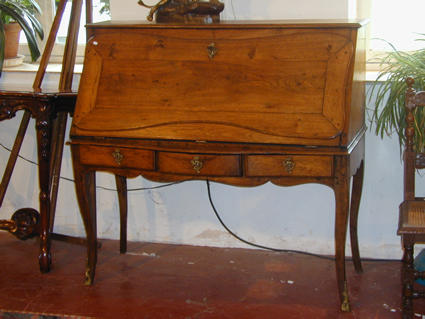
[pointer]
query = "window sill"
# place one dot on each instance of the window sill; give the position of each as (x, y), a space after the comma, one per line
(33, 67)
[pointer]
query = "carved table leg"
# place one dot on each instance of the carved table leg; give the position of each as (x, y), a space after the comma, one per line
(354, 213)
(43, 144)
(342, 190)
(121, 182)
(407, 277)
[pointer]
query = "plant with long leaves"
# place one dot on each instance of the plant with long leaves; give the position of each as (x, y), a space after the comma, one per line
(390, 86)
(23, 12)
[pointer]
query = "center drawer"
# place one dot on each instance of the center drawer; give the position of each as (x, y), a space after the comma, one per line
(199, 164)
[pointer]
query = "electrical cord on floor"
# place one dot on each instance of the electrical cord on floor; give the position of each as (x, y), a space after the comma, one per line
(217, 215)
(276, 249)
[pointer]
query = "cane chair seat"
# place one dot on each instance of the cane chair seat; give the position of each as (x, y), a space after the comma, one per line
(412, 217)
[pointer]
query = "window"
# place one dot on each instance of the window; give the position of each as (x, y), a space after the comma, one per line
(48, 8)
(398, 22)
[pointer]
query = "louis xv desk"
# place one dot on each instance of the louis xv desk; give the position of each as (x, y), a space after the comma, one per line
(241, 103)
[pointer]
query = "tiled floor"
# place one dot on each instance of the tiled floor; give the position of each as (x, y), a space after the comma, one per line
(174, 281)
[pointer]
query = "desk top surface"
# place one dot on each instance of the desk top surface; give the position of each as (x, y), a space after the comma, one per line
(290, 23)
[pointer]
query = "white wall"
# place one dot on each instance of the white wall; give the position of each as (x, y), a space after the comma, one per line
(255, 9)
(299, 217)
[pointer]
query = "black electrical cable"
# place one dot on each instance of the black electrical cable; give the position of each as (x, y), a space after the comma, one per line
(276, 249)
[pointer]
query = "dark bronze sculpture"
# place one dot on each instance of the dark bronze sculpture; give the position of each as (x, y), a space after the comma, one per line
(185, 11)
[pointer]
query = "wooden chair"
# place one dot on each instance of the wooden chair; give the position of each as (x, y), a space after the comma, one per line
(50, 111)
(27, 222)
(411, 226)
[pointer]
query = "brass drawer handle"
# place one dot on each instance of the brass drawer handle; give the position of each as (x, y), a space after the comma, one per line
(289, 165)
(212, 50)
(118, 157)
(197, 164)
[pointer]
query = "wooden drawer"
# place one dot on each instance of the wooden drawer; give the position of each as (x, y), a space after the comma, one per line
(289, 165)
(199, 164)
(119, 157)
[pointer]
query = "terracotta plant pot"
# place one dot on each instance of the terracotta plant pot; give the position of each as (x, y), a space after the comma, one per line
(12, 32)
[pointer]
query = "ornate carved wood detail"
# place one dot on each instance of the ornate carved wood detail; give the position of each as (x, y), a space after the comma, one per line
(24, 223)
(6, 111)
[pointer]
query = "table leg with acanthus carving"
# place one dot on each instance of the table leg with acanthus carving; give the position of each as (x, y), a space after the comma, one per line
(43, 127)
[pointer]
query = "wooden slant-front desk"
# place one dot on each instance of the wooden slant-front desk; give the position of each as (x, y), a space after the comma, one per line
(241, 103)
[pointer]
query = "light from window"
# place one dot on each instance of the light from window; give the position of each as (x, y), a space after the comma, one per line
(97, 17)
(398, 22)
(63, 28)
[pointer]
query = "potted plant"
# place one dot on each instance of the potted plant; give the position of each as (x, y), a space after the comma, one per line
(22, 12)
(390, 87)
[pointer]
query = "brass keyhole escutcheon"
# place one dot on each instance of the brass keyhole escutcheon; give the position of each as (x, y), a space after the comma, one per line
(197, 164)
(212, 50)
(118, 157)
(289, 165)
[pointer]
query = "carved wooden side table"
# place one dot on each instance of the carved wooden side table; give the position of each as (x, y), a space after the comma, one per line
(43, 107)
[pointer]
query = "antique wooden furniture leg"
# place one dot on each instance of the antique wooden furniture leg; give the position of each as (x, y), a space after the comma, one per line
(43, 126)
(356, 194)
(121, 182)
(65, 85)
(85, 183)
(407, 277)
(342, 190)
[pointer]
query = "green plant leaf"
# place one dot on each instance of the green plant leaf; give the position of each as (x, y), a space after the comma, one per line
(22, 12)
(389, 89)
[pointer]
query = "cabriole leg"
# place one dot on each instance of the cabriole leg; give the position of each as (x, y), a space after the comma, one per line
(354, 214)
(342, 190)
(121, 182)
(85, 185)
